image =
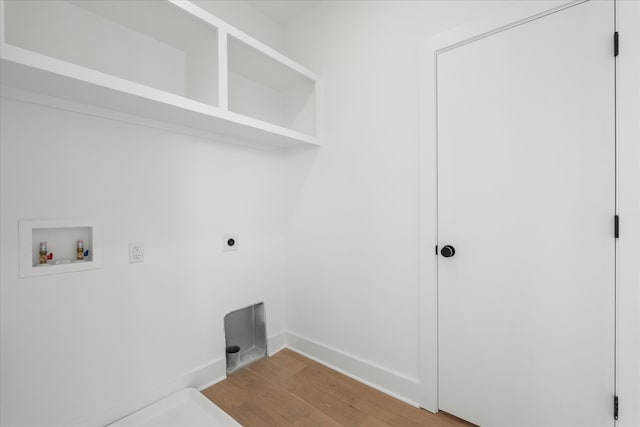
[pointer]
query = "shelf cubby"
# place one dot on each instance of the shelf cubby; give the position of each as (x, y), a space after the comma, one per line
(168, 50)
(262, 87)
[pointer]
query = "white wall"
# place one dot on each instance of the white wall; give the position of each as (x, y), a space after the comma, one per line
(89, 347)
(353, 264)
(628, 380)
(85, 348)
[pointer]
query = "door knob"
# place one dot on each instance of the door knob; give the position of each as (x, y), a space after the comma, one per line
(448, 251)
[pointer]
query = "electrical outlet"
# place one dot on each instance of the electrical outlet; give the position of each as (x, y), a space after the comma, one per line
(136, 252)
(230, 242)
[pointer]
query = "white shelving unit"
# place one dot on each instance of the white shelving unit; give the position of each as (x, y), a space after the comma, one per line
(165, 60)
(61, 236)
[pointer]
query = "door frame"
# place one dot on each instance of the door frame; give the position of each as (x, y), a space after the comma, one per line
(501, 20)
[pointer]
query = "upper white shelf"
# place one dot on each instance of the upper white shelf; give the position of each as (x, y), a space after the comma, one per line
(166, 60)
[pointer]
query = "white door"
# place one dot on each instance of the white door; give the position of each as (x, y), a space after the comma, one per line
(526, 196)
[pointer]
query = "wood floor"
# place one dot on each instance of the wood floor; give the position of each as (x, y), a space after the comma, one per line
(288, 389)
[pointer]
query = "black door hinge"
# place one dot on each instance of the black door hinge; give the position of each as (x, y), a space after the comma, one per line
(616, 48)
(616, 226)
(615, 407)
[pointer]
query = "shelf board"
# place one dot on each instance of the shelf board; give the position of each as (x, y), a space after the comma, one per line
(27, 70)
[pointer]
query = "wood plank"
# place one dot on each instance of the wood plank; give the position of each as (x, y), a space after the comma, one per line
(292, 379)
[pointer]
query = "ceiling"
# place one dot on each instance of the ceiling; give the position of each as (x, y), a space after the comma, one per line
(282, 11)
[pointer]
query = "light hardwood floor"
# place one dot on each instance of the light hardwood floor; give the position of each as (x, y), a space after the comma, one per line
(289, 389)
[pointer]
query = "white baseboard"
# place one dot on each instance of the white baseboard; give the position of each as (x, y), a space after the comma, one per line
(208, 375)
(384, 380)
(276, 342)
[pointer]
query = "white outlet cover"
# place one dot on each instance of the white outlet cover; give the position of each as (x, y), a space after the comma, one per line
(230, 242)
(136, 252)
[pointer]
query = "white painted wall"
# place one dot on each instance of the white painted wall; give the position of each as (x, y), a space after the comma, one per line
(353, 263)
(628, 381)
(89, 347)
(85, 348)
